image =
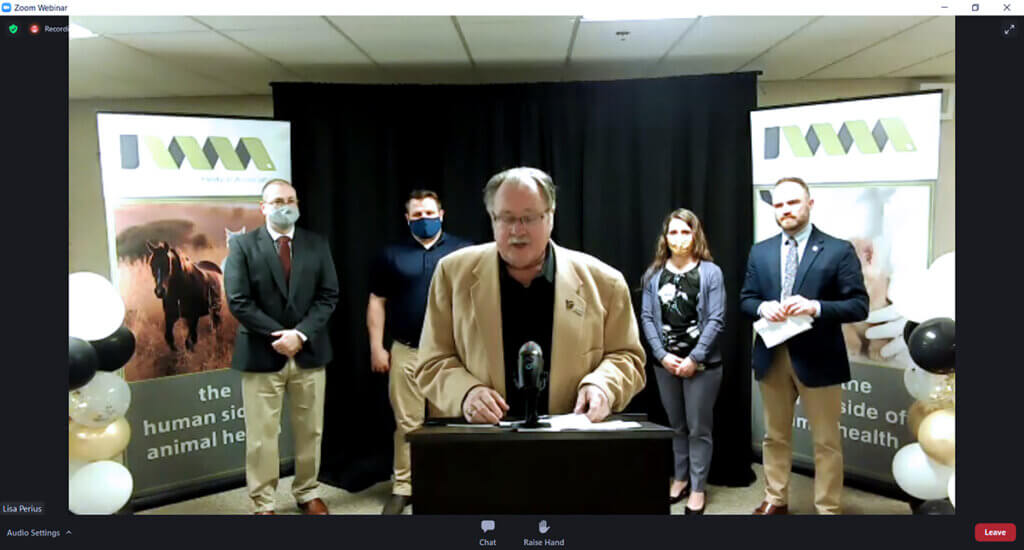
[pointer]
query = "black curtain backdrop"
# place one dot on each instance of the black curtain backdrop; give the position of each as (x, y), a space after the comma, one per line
(622, 153)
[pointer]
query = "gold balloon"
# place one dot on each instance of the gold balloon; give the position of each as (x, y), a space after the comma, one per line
(88, 444)
(937, 436)
(921, 409)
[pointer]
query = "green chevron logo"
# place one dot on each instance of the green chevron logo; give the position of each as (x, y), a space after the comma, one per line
(853, 132)
(181, 148)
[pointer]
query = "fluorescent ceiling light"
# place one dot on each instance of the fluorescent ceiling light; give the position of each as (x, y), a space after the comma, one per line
(77, 31)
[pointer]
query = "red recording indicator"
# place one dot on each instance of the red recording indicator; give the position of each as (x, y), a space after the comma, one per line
(995, 532)
(34, 29)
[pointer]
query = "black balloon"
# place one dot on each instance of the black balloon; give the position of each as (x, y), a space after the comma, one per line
(938, 507)
(908, 329)
(115, 350)
(82, 363)
(933, 345)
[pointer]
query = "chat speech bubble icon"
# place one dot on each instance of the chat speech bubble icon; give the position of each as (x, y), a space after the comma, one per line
(487, 525)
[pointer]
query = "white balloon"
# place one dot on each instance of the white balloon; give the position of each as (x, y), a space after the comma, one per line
(923, 294)
(951, 489)
(942, 285)
(73, 466)
(95, 309)
(102, 487)
(918, 475)
(103, 400)
(910, 295)
(921, 384)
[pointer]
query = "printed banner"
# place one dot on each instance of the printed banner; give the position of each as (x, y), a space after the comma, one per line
(177, 189)
(858, 141)
(871, 166)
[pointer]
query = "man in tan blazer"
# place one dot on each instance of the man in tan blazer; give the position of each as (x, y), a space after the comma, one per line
(486, 301)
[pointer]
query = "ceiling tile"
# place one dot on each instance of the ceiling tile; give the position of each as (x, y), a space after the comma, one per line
(824, 41)
(405, 39)
(137, 24)
(724, 44)
(646, 39)
(181, 56)
(943, 65)
(517, 39)
(919, 43)
(317, 43)
(259, 22)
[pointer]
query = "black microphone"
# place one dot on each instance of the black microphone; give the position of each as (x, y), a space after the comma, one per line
(531, 378)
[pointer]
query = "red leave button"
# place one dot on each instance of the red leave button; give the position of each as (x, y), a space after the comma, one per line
(995, 532)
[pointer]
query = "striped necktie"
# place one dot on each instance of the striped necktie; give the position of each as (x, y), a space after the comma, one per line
(791, 264)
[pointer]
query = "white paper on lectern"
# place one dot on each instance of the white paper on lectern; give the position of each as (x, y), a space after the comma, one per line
(774, 333)
(562, 422)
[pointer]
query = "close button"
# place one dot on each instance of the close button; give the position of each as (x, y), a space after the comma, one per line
(995, 532)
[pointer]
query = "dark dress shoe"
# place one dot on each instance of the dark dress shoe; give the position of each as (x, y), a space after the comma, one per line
(768, 509)
(315, 507)
(687, 511)
(396, 504)
(679, 498)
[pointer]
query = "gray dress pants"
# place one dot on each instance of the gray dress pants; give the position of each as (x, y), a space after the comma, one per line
(690, 403)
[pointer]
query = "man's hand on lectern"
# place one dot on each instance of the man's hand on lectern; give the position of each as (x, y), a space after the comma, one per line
(593, 402)
(483, 405)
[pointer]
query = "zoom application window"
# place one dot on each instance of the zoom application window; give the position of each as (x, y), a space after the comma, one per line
(526, 275)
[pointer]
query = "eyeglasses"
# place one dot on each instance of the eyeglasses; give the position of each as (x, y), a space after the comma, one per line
(529, 220)
(278, 203)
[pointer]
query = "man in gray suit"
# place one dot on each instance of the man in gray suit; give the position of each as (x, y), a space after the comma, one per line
(282, 288)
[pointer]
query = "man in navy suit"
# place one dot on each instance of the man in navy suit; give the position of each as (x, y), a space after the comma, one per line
(802, 271)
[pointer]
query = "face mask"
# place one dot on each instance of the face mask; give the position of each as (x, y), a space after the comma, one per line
(425, 228)
(680, 247)
(285, 216)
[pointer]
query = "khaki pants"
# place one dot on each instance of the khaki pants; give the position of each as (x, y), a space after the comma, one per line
(779, 390)
(407, 402)
(263, 396)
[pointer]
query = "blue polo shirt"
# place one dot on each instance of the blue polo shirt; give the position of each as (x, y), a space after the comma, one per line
(402, 275)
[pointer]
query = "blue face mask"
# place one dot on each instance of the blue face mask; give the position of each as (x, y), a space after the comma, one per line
(425, 228)
(285, 216)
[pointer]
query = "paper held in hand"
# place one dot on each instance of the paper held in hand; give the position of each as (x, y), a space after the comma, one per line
(774, 333)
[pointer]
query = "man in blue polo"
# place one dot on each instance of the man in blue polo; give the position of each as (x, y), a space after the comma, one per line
(398, 292)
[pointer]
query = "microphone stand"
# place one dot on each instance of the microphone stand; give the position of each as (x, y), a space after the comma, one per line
(531, 420)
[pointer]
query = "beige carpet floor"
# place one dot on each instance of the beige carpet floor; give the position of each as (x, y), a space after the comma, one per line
(721, 500)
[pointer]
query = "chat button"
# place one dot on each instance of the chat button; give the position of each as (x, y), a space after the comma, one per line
(487, 526)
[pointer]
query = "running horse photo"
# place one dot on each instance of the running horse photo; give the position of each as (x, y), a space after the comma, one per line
(188, 290)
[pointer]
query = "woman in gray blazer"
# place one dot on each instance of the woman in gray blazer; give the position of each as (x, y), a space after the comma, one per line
(683, 314)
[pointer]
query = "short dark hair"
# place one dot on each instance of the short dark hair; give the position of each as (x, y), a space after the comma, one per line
(420, 194)
(795, 180)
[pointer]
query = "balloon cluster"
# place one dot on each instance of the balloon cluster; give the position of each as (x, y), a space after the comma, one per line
(926, 469)
(98, 345)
